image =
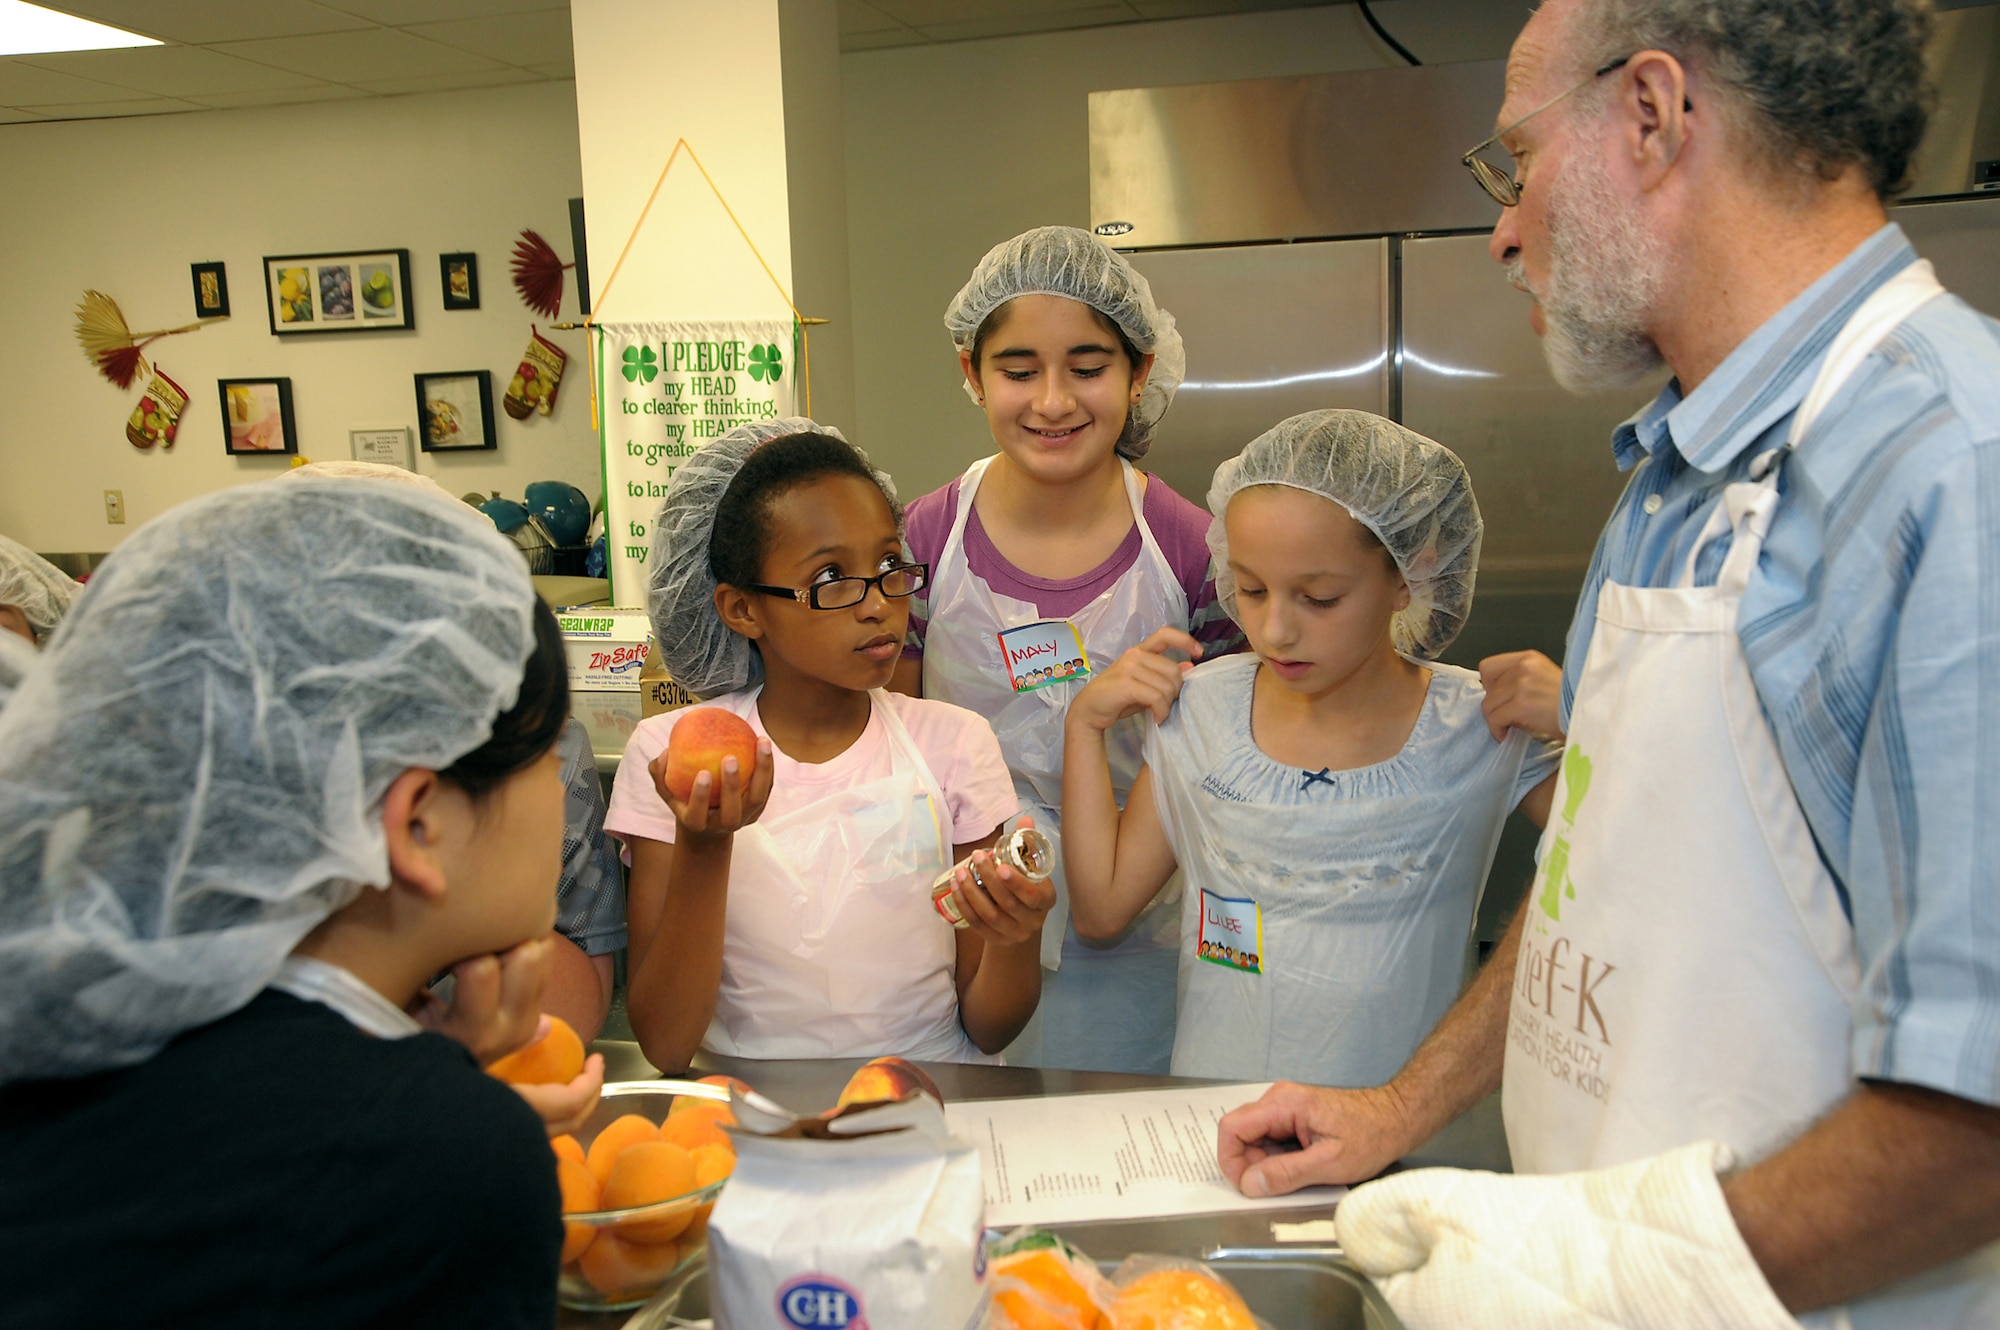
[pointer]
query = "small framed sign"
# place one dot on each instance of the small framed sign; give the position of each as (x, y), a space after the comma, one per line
(460, 275)
(387, 447)
(211, 291)
(358, 291)
(257, 416)
(455, 411)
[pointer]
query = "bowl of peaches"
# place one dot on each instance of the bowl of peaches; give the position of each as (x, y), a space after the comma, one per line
(639, 1179)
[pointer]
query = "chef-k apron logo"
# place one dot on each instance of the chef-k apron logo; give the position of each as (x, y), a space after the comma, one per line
(1556, 1021)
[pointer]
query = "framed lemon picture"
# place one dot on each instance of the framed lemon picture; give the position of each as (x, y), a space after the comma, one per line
(354, 292)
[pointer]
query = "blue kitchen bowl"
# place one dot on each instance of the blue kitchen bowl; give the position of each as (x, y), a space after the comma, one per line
(507, 515)
(563, 509)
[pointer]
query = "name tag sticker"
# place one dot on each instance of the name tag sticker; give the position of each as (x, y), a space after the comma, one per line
(1232, 932)
(1039, 654)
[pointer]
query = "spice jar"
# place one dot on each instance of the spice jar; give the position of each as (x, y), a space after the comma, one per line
(1024, 849)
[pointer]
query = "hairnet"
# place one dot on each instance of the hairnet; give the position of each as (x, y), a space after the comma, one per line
(190, 780)
(701, 653)
(1412, 493)
(1063, 261)
(17, 657)
(34, 586)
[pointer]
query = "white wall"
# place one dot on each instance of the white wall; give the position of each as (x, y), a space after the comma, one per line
(124, 206)
(954, 148)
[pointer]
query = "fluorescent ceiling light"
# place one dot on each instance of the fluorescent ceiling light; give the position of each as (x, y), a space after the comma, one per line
(27, 29)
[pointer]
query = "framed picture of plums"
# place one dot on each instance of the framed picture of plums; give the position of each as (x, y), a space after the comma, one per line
(355, 292)
(455, 411)
(257, 417)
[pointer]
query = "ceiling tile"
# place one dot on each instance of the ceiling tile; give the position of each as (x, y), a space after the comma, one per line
(294, 95)
(517, 39)
(1155, 9)
(882, 41)
(402, 13)
(14, 115)
(202, 21)
(567, 71)
(931, 13)
(372, 55)
(170, 71)
(23, 84)
(107, 110)
(1016, 24)
(857, 16)
(448, 82)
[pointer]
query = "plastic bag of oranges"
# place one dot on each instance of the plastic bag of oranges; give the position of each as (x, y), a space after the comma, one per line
(1168, 1293)
(1040, 1282)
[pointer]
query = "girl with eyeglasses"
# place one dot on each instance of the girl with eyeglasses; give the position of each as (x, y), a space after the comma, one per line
(793, 918)
(1058, 539)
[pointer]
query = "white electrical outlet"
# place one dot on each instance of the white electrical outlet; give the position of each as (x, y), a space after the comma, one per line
(114, 507)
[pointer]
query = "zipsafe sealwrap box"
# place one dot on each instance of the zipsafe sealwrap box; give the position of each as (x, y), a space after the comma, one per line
(871, 1220)
(606, 648)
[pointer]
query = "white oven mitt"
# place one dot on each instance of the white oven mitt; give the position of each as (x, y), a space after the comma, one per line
(1648, 1245)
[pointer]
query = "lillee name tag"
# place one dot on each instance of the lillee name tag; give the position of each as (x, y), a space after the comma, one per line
(1036, 655)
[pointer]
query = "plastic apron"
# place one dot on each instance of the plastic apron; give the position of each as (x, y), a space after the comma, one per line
(1355, 914)
(831, 947)
(1103, 1008)
(1686, 970)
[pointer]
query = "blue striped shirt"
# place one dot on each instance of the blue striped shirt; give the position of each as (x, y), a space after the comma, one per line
(1872, 631)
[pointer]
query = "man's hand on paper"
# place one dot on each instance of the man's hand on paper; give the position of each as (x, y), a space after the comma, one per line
(1297, 1136)
(1648, 1245)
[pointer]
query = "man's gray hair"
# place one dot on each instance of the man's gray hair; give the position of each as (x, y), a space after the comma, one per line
(1825, 84)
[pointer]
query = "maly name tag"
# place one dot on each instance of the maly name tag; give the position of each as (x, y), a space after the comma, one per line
(1039, 654)
(1232, 932)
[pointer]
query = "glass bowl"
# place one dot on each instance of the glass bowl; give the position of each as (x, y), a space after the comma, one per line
(626, 1261)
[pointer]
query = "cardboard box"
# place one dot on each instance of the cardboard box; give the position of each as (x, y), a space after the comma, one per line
(657, 690)
(606, 648)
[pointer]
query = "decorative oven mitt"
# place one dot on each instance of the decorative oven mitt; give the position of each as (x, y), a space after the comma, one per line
(1648, 1245)
(535, 382)
(158, 416)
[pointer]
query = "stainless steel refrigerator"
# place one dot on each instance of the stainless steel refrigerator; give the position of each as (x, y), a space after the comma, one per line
(1415, 322)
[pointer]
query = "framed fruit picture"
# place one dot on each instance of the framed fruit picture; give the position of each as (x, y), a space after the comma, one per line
(455, 411)
(257, 416)
(355, 292)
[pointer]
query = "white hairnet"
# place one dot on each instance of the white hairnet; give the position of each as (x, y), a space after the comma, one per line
(17, 657)
(190, 780)
(698, 649)
(34, 586)
(1064, 261)
(395, 475)
(1412, 493)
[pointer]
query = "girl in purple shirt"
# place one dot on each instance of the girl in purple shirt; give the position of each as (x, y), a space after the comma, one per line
(1057, 552)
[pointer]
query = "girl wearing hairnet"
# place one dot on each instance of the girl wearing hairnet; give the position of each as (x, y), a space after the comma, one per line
(288, 759)
(1333, 798)
(34, 593)
(791, 916)
(1060, 543)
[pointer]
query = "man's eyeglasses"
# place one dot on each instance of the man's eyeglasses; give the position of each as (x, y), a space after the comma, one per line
(844, 592)
(1504, 188)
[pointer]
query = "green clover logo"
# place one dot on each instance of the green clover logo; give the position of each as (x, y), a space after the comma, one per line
(641, 365)
(766, 363)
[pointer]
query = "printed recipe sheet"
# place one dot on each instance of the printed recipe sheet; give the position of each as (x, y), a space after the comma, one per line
(1143, 1154)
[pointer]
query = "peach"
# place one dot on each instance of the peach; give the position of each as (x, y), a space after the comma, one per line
(627, 1131)
(693, 1130)
(1163, 1299)
(701, 738)
(566, 1147)
(647, 1174)
(554, 1059)
(887, 1081)
(579, 1193)
(726, 1082)
(696, 1234)
(713, 1163)
(614, 1266)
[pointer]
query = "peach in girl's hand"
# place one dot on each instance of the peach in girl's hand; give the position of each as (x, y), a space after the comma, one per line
(701, 739)
(554, 1059)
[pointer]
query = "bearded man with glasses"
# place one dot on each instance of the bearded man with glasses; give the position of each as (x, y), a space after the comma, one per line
(1746, 1027)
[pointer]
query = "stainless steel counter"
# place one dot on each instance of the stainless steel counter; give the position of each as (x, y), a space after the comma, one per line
(1474, 1141)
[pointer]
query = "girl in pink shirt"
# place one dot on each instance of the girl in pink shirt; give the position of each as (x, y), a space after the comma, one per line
(794, 918)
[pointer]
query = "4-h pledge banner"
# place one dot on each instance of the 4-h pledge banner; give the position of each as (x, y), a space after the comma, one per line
(665, 389)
